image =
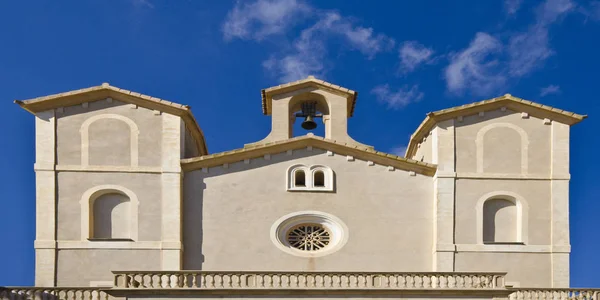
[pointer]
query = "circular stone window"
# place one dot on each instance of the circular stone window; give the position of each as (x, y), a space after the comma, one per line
(309, 233)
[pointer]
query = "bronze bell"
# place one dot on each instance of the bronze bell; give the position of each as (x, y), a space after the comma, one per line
(309, 123)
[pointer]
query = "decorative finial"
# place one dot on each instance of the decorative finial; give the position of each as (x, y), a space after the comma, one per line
(310, 134)
(105, 84)
(507, 95)
(310, 77)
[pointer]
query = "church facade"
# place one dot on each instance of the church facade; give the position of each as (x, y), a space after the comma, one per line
(130, 204)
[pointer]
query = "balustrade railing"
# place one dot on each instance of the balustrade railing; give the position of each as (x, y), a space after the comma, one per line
(52, 293)
(555, 294)
(306, 280)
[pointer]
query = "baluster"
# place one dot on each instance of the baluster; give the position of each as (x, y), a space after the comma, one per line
(327, 282)
(401, 281)
(336, 281)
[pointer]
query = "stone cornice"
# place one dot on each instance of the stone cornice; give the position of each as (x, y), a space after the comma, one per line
(107, 91)
(367, 154)
(508, 101)
(268, 93)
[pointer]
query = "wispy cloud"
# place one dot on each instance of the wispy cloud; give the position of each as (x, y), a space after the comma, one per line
(528, 50)
(262, 18)
(512, 6)
(591, 11)
(142, 3)
(399, 98)
(551, 89)
(487, 63)
(308, 54)
(310, 49)
(475, 68)
(412, 54)
(398, 150)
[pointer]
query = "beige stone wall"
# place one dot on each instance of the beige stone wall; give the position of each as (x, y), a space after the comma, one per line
(523, 269)
(114, 130)
(83, 267)
(228, 214)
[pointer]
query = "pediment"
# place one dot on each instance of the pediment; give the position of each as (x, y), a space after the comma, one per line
(508, 101)
(309, 82)
(104, 91)
(367, 154)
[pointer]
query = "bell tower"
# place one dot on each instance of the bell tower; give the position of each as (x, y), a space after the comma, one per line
(311, 99)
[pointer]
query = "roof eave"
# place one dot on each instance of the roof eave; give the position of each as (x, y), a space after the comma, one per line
(104, 91)
(508, 101)
(267, 94)
(317, 142)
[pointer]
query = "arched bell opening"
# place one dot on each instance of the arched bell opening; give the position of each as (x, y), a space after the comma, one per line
(308, 112)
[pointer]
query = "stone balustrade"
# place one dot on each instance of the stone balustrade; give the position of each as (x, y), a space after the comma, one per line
(306, 280)
(555, 294)
(52, 293)
(333, 281)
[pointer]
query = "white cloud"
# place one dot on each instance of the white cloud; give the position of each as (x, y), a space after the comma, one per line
(412, 54)
(360, 38)
(398, 99)
(398, 150)
(512, 6)
(487, 63)
(475, 68)
(309, 53)
(551, 89)
(528, 50)
(139, 3)
(262, 18)
(592, 11)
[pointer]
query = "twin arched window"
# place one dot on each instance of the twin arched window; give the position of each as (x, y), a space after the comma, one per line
(313, 178)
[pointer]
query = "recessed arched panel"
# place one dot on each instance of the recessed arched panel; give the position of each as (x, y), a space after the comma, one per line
(108, 140)
(502, 148)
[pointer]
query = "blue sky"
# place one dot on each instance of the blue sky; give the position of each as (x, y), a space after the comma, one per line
(405, 58)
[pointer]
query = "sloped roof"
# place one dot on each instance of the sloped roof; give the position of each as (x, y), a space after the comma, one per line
(366, 154)
(268, 93)
(508, 101)
(105, 91)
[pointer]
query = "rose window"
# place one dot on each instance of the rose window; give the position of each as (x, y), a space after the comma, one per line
(308, 237)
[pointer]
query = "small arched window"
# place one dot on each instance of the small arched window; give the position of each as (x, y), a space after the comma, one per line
(319, 179)
(300, 178)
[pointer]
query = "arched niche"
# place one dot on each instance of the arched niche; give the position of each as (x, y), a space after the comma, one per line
(499, 205)
(108, 192)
